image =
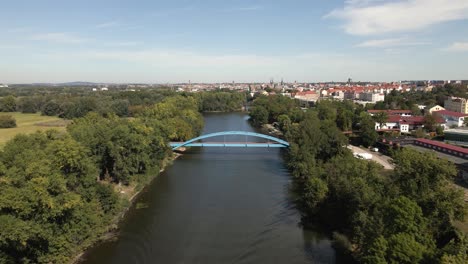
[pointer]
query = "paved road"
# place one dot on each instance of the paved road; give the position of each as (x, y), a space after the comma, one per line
(383, 160)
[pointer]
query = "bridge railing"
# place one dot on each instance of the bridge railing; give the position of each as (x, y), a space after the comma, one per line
(193, 142)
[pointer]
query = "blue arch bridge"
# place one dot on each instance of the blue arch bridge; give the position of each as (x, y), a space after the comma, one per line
(272, 142)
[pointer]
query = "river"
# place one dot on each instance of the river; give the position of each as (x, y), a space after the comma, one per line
(217, 205)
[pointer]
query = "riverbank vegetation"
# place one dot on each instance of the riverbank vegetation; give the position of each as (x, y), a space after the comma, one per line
(405, 216)
(59, 192)
(222, 101)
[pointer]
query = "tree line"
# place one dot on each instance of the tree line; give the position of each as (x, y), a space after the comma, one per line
(67, 104)
(403, 216)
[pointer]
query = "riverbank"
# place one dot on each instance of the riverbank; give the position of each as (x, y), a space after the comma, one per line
(129, 196)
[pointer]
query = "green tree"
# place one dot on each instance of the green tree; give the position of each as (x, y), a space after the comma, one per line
(381, 118)
(51, 108)
(403, 248)
(259, 115)
(8, 104)
(428, 181)
(7, 121)
(430, 123)
(367, 128)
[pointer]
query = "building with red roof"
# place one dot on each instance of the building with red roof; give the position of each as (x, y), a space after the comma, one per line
(452, 119)
(442, 147)
(405, 124)
(391, 112)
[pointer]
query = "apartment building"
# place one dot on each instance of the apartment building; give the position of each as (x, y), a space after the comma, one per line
(456, 104)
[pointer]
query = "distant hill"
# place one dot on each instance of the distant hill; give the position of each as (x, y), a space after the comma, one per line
(78, 84)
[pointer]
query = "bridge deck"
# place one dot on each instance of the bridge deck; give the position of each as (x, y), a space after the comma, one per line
(272, 142)
(229, 144)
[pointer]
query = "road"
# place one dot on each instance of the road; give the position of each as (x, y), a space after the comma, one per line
(383, 160)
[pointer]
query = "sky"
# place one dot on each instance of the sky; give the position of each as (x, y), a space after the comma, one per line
(176, 41)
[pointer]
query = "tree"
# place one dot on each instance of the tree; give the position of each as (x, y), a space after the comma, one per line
(381, 118)
(8, 104)
(430, 123)
(428, 181)
(51, 108)
(403, 248)
(440, 130)
(367, 128)
(259, 115)
(284, 122)
(28, 104)
(7, 121)
(344, 119)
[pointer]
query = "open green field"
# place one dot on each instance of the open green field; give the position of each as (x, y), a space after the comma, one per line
(30, 123)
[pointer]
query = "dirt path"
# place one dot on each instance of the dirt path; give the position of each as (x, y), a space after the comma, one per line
(383, 160)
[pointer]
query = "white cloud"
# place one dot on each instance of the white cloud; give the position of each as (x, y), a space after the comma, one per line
(107, 24)
(375, 17)
(60, 37)
(458, 46)
(391, 42)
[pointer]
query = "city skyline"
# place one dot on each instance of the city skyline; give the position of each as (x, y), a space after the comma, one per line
(245, 41)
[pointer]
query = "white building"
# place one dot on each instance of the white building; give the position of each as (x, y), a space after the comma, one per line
(452, 119)
(435, 109)
(372, 97)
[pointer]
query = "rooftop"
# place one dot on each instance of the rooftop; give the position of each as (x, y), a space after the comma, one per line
(443, 145)
(390, 112)
(451, 113)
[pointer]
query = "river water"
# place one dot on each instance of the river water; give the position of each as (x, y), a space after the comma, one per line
(217, 205)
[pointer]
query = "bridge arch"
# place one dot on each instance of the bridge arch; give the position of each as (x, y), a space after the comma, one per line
(232, 133)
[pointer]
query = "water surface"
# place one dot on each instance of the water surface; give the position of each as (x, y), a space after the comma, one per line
(217, 205)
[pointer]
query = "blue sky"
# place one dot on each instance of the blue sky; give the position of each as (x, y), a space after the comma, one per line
(240, 40)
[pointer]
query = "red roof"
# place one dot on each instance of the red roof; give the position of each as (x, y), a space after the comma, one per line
(443, 145)
(450, 113)
(411, 120)
(306, 93)
(390, 112)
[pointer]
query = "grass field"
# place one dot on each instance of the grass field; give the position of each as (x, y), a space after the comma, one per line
(30, 123)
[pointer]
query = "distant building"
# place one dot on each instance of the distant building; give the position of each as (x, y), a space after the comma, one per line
(372, 97)
(452, 119)
(309, 96)
(391, 112)
(405, 124)
(456, 104)
(3, 86)
(435, 108)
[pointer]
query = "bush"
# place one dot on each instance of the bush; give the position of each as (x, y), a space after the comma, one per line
(7, 121)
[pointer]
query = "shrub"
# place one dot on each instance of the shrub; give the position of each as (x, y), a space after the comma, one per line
(7, 121)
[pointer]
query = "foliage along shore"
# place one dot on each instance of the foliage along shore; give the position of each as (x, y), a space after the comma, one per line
(130, 198)
(61, 192)
(406, 216)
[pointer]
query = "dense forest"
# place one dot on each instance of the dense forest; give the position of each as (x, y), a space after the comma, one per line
(61, 191)
(405, 216)
(76, 102)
